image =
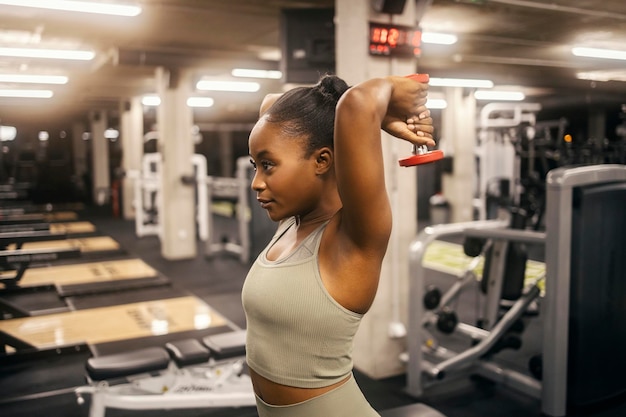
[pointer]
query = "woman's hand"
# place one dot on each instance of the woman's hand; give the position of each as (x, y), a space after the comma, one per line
(407, 116)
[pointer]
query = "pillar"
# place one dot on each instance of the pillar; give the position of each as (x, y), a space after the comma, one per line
(131, 132)
(226, 153)
(597, 127)
(79, 152)
(174, 123)
(380, 339)
(458, 130)
(100, 175)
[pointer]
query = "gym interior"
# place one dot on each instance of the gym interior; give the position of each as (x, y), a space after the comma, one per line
(128, 225)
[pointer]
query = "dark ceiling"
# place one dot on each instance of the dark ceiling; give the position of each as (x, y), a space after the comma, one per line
(513, 42)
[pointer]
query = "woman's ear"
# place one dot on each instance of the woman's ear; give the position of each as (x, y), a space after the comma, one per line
(323, 159)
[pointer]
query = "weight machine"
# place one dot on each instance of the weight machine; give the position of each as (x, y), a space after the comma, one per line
(500, 125)
(579, 364)
(148, 197)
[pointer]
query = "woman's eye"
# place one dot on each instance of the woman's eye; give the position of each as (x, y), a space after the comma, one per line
(253, 164)
(266, 164)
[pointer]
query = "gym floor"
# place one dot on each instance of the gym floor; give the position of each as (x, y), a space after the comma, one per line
(44, 386)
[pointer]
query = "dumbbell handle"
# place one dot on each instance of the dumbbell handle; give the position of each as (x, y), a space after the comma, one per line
(421, 154)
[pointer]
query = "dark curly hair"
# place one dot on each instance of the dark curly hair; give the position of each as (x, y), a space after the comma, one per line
(309, 112)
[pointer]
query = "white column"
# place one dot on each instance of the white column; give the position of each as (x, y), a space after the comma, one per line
(376, 352)
(131, 132)
(100, 170)
(174, 124)
(459, 131)
(79, 151)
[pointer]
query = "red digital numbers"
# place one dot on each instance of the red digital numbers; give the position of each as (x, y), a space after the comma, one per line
(394, 40)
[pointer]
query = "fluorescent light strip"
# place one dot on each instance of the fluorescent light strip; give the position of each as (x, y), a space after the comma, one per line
(256, 73)
(200, 102)
(599, 53)
(154, 101)
(36, 79)
(499, 95)
(460, 82)
(7, 133)
(235, 86)
(77, 6)
(26, 93)
(151, 100)
(48, 53)
(439, 38)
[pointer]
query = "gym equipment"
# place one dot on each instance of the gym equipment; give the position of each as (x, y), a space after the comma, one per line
(89, 246)
(501, 126)
(189, 374)
(584, 288)
(148, 198)
(78, 279)
(254, 227)
(233, 190)
(492, 332)
(11, 216)
(79, 328)
(16, 240)
(421, 154)
(583, 337)
(13, 263)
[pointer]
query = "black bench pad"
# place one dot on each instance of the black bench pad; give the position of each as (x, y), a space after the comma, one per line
(226, 344)
(128, 363)
(187, 352)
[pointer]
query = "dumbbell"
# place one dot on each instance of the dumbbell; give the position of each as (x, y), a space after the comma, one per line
(421, 154)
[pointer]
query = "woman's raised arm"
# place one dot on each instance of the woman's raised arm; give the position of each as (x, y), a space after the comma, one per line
(397, 105)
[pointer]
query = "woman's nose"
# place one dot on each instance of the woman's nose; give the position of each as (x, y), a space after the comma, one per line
(257, 183)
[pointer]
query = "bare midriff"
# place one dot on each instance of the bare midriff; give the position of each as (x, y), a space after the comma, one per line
(278, 394)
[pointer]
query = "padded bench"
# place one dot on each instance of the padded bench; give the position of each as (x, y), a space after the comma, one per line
(184, 352)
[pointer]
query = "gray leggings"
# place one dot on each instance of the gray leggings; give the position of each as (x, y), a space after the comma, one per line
(346, 400)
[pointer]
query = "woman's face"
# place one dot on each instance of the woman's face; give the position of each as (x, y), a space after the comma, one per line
(285, 180)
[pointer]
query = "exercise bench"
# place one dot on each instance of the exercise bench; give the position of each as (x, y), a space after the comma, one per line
(183, 374)
(20, 260)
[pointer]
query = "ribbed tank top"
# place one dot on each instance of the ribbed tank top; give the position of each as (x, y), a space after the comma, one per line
(297, 334)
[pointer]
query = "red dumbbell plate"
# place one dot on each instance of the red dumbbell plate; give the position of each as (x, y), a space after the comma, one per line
(424, 158)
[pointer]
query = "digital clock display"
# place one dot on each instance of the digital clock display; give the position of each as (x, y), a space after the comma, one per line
(395, 40)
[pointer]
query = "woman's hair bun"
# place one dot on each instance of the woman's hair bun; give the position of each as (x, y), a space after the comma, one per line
(332, 87)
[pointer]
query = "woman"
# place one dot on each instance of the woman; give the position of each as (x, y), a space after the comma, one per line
(319, 172)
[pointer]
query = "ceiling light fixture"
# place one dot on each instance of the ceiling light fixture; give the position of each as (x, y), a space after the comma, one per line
(26, 93)
(235, 86)
(200, 102)
(603, 75)
(499, 95)
(439, 38)
(7, 133)
(153, 101)
(48, 53)
(77, 6)
(599, 53)
(460, 82)
(36, 79)
(256, 73)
